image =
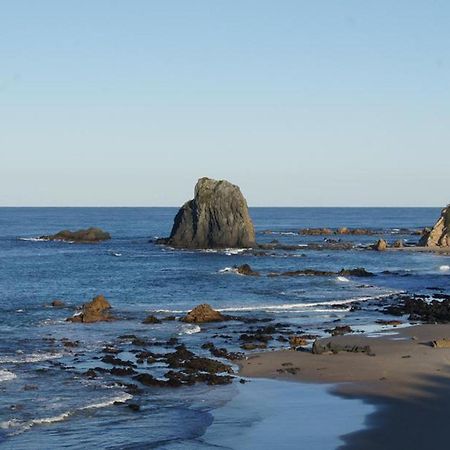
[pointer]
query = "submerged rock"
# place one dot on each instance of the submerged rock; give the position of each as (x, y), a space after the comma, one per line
(151, 320)
(57, 304)
(439, 235)
(95, 311)
(217, 217)
(81, 236)
(202, 314)
(357, 272)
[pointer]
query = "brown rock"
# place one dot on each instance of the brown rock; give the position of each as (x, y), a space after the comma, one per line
(381, 245)
(297, 341)
(95, 311)
(202, 314)
(439, 235)
(441, 343)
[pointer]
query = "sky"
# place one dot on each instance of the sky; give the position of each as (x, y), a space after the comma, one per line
(300, 103)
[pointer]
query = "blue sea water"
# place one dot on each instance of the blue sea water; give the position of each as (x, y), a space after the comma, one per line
(47, 403)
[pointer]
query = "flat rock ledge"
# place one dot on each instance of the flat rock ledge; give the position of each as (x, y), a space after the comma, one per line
(80, 236)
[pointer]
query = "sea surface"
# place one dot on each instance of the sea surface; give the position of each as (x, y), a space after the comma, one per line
(47, 403)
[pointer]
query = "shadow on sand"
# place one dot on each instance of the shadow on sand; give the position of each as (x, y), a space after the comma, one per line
(419, 422)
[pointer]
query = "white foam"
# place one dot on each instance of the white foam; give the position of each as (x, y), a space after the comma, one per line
(305, 306)
(190, 329)
(343, 279)
(6, 375)
(234, 251)
(32, 239)
(294, 306)
(116, 254)
(31, 358)
(228, 270)
(21, 426)
(444, 268)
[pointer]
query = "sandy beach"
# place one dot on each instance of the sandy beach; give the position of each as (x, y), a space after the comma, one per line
(402, 374)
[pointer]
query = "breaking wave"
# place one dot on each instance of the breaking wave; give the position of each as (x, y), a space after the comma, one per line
(17, 426)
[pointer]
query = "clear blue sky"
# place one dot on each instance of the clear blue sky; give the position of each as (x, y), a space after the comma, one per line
(301, 103)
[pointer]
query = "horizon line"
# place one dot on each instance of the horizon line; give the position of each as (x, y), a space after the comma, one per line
(178, 206)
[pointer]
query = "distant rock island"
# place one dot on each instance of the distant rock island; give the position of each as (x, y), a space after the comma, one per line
(217, 217)
(81, 236)
(439, 235)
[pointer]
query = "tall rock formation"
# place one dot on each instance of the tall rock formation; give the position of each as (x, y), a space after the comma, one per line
(439, 236)
(217, 217)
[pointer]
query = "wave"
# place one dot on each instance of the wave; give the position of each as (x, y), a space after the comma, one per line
(31, 358)
(290, 306)
(6, 375)
(189, 329)
(32, 239)
(21, 426)
(444, 268)
(343, 279)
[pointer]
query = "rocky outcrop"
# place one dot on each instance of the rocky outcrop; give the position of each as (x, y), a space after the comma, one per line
(80, 236)
(203, 314)
(217, 217)
(439, 235)
(95, 311)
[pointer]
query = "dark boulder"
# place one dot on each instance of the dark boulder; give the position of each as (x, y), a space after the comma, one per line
(245, 269)
(217, 217)
(151, 320)
(81, 236)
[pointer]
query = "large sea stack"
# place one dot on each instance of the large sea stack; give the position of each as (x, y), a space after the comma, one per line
(439, 235)
(217, 217)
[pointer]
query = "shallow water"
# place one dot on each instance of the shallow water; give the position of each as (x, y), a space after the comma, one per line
(46, 402)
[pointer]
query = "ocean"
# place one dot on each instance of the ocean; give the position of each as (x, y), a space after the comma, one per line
(48, 403)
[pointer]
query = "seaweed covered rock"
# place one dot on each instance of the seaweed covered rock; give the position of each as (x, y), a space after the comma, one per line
(217, 217)
(95, 311)
(81, 236)
(439, 235)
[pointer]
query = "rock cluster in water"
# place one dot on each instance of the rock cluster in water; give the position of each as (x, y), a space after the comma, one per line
(217, 217)
(82, 236)
(439, 235)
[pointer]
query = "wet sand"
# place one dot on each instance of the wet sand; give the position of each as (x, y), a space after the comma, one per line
(406, 378)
